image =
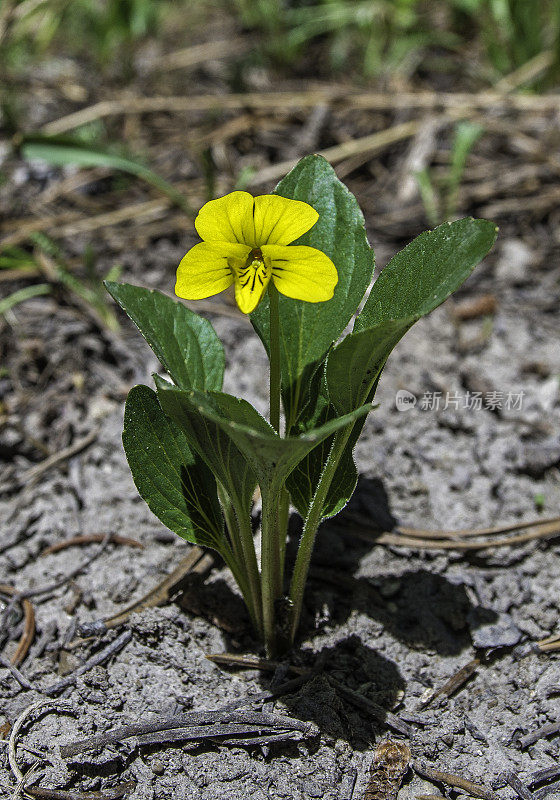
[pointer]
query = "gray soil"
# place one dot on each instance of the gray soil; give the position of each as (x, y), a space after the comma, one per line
(402, 622)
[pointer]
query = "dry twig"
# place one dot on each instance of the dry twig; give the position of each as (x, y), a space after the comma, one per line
(364, 704)
(474, 789)
(193, 725)
(91, 538)
(455, 682)
(29, 622)
(98, 658)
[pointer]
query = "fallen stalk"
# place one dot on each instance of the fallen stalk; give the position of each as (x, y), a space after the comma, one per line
(42, 793)
(103, 655)
(474, 789)
(192, 721)
(331, 96)
(547, 531)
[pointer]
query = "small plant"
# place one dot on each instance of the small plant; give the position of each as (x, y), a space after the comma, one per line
(300, 263)
(440, 197)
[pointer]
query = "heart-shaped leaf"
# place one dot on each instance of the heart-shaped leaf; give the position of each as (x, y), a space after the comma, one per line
(218, 450)
(415, 281)
(177, 486)
(307, 330)
(214, 415)
(186, 344)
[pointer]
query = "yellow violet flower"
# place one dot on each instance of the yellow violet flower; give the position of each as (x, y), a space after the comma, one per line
(245, 242)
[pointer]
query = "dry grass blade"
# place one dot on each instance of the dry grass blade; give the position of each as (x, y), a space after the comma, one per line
(251, 662)
(18, 724)
(440, 540)
(549, 644)
(331, 95)
(91, 538)
(199, 53)
(423, 533)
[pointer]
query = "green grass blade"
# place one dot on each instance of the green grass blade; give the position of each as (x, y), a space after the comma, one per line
(62, 151)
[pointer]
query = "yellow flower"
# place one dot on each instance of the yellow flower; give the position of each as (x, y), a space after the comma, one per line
(245, 241)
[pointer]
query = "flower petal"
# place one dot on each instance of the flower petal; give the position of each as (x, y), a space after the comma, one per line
(205, 269)
(302, 273)
(251, 280)
(279, 220)
(227, 219)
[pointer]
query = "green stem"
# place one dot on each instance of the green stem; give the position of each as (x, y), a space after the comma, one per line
(274, 357)
(243, 551)
(297, 586)
(248, 545)
(283, 519)
(270, 567)
(231, 521)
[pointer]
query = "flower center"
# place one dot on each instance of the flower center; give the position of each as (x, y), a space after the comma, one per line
(255, 272)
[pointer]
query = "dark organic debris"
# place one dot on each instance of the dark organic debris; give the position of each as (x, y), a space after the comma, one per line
(546, 730)
(42, 793)
(195, 725)
(364, 704)
(389, 766)
(436, 775)
(98, 658)
(518, 786)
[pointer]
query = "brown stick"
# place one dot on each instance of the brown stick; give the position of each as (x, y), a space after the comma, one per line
(396, 540)
(474, 789)
(454, 683)
(29, 625)
(195, 560)
(90, 538)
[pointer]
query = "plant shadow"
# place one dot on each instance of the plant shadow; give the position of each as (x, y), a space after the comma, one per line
(419, 608)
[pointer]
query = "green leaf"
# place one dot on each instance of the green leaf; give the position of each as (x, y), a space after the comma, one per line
(63, 150)
(186, 344)
(414, 282)
(307, 330)
(218, 451)
(427, 271)
(177, 486)
(303, 481)
(206, 418)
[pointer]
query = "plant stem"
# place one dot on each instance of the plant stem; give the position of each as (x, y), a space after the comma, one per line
(243, 550)
(270, 566)
(305, 550)
(283, 519)
(248, 545)
(274, 357)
